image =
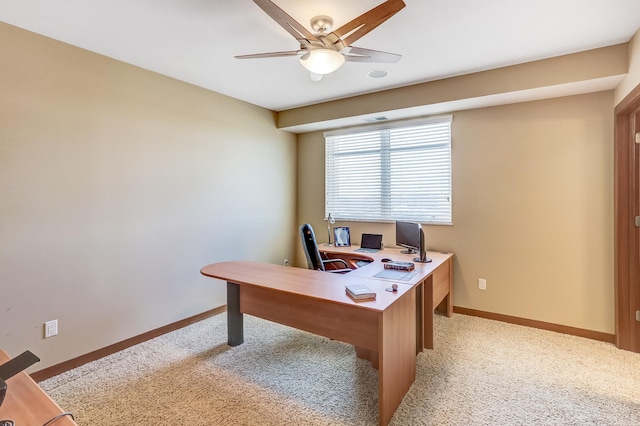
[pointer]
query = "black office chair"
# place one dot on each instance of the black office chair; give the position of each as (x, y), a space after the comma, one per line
(314, 260)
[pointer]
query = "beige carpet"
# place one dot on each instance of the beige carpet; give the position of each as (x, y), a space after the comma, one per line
(482, 372)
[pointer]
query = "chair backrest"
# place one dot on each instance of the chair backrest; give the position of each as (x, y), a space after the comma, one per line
(314, 261)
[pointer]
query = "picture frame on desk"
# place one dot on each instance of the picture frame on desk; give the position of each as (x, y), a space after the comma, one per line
(341, 236)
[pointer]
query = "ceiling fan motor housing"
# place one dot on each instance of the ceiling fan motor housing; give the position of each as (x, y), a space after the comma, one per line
(326, 41)
(321, 23)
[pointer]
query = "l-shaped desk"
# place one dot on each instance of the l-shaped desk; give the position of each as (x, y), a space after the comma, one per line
(389, 331)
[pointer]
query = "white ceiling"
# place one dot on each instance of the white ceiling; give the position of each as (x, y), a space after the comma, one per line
(195, 40)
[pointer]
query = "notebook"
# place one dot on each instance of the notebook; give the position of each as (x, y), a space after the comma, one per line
(370, 243)
(360, 291)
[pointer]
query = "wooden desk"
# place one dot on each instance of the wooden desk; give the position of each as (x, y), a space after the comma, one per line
(382, 330)
(434, 281)
(26, 403)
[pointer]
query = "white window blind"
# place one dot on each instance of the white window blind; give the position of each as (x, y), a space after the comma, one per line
(390, 172)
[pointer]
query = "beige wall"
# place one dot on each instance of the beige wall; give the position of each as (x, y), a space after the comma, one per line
(632, 79)
(117, 186)
(532, 209)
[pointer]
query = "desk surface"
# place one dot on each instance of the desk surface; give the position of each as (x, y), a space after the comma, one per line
(26, 403)
(305, 282)
(369, 271)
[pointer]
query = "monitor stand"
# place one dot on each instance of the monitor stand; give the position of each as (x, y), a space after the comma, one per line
(422, 258)
(408, 251)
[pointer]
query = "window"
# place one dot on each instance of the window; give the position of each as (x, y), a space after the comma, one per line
(395, 171)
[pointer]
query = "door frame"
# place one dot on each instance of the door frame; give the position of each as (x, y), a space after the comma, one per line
(626, 194)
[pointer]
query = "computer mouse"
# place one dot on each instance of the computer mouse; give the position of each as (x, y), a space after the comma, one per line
(385, 259)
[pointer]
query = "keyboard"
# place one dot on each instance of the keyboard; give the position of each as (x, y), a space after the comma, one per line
(367, 250)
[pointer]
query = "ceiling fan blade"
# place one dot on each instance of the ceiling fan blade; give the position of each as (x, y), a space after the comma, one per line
(359, 54)
(299, 32)
(353, 30)
(270, 54)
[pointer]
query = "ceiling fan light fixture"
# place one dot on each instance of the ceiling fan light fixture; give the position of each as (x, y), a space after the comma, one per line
(322, 61)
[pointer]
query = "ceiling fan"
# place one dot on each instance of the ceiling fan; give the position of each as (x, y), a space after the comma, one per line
(325, 51)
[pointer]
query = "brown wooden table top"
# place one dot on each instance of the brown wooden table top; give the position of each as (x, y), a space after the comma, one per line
(315, 284)
(369, 271)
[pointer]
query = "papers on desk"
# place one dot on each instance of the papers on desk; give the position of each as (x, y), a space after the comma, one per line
(360, 292)
(393, 274)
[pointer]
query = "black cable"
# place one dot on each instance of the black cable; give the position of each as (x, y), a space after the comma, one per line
(59, 416)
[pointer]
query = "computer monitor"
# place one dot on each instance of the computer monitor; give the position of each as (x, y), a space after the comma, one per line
(411, 236)
(408, 236)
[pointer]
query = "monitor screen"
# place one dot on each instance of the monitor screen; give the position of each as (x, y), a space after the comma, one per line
(408, 236)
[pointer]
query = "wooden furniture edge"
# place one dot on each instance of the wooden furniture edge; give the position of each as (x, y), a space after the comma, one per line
(26, 403)
(54, 370)
(564, 329)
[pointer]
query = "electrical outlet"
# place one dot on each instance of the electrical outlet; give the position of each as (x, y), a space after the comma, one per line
(482, 284)
(50, 328)
(286, 262)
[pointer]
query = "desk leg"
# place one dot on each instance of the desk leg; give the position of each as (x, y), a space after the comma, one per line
(428, 313)
(450, 295)
(397, 354)
(235, 325)
(420, 313)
